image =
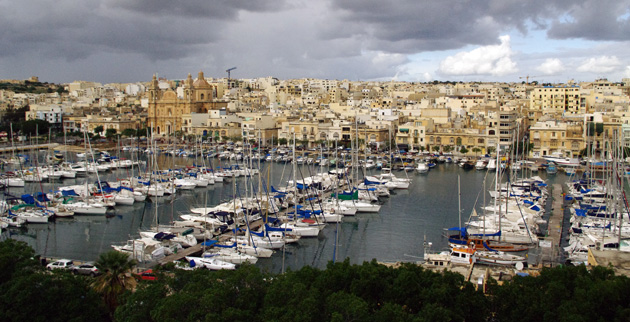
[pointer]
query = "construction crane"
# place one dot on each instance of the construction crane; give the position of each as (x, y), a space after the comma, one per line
(229, 70)
(527, 78)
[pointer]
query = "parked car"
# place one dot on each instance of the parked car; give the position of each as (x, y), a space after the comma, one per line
(86, 269)
(60, 264)
(147, 275)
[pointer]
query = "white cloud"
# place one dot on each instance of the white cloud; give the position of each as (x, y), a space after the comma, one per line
(627, 73)
(602, 64)
(495, 60)
(551, 66)
(382, 58)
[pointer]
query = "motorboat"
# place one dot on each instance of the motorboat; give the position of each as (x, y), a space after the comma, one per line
(210, 263)
(422, 167)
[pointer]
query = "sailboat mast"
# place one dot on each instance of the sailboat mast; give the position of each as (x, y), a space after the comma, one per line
(459, 199)
(498, 190)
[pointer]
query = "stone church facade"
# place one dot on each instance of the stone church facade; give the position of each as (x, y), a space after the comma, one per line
(166, 108)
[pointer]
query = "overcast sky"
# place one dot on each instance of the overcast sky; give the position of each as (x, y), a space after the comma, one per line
(410, 40)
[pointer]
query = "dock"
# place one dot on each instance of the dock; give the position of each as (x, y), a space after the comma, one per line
(550, 245)
(21, 148)
(199, 247)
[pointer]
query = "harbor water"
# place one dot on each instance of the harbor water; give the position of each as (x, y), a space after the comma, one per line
(396, 233)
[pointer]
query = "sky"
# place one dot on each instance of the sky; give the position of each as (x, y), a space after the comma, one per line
(406, 40)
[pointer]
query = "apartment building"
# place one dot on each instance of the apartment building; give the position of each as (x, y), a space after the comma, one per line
(556, 100)
(412, 135)
(555, 137)
(53, 114)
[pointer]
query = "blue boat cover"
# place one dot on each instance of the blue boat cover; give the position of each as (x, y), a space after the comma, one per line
(67, 193)
(29, 199)
(224, 246)
(211, 242)
(41, 197)
(580, 212)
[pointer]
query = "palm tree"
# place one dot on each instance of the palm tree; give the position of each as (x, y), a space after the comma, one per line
(116, 277)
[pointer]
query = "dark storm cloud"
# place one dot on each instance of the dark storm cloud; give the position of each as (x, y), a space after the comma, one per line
(75, 29)
(415, 26)
(215, 9)
(594, 20)
(290, 38)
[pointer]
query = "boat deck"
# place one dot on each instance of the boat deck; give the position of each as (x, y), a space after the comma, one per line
(198, 248)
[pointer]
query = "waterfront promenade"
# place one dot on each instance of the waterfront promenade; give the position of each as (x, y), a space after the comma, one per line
(28, 147)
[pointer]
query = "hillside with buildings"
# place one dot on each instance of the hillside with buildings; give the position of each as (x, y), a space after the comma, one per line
(552, 119)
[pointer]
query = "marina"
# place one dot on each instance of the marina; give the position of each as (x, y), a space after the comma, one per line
(396, 233)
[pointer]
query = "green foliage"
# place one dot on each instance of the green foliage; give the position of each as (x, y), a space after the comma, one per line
(523, 148)
(16, 258)
(282, 141)
(110, 133)
(98, 129)
(57, 296)
(34, 127)
(436, 148)
(341, 292)
(32, 87)
(129, 132)
(115, 278)
(563, 294)
(463, 150)
(29, 293)
(593, 128)
(139, 305)
(13, 116)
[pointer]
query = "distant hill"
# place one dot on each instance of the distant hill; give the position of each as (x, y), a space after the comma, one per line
(31, 87)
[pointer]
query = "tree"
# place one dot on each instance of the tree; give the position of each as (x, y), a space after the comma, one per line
(110, 133)
(129, 132)
(569, 293)
(436, 148)
(16, 258)
(282, 141)
(116, 277)
(137, 306)
(98, 129)
(491, 149)
(144, 132)
(34, 127)
(30, 293)
(476, 150)
(448, 148)
(13, 116)
(58, 296)
(463, 150)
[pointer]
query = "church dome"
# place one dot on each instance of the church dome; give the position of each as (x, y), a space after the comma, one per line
(200, 82)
